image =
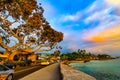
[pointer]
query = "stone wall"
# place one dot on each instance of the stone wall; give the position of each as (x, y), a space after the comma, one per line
(70, 73)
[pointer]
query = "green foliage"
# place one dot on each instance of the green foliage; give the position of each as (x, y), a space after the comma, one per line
(23, 63)
(103, 56)
(19, 63)
(83, 55)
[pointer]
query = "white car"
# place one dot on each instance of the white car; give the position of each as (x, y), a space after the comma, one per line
(6, 73)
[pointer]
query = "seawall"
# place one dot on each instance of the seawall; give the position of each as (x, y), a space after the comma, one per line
(70, 73)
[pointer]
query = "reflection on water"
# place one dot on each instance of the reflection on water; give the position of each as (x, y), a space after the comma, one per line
(101, 70)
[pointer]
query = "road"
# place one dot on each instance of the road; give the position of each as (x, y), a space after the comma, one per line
(25, 71)
(51, 72)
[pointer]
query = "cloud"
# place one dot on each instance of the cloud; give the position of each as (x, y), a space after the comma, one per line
(103, 16)
(98, 12)
(107, 35)
(95, 28)
(115, 4)
(106, 47)
(95, 6)
(105, 41)
(98, 38)
(103, 29)
(71, 17)
(99, 15)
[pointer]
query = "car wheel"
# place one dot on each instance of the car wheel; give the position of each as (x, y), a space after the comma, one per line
(10, 77)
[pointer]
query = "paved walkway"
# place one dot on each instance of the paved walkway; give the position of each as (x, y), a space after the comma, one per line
(51, 72)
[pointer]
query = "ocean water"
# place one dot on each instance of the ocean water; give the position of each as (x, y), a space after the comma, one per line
(101, 70)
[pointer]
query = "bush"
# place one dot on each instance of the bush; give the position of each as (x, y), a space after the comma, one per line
(19, 63)
(27, 62)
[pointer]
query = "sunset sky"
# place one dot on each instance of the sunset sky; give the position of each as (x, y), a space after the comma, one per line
(93, 25)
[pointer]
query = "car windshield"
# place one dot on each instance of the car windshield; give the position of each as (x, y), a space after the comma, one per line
(3, 68)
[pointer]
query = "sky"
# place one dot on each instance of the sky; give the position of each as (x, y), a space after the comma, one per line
(93, 25)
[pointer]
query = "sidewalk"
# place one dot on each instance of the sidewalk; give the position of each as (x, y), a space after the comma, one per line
(51, 72)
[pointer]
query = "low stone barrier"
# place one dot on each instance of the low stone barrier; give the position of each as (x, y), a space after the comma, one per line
(70, 73)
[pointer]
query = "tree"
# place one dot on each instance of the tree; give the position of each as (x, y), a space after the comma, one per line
(23, 28)
(56, 53)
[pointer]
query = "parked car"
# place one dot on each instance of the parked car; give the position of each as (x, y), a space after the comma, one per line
(10, 65)
(45, 63)
(6, 73)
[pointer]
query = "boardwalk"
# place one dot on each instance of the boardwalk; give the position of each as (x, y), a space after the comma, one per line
(51, 72)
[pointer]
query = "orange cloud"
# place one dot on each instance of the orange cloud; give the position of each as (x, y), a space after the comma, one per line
(107, 35)
(108, 39)
(97, 38)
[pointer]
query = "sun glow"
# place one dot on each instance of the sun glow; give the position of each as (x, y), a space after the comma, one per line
(114, 2)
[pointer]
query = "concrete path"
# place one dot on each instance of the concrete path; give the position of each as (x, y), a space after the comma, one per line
(51, 72)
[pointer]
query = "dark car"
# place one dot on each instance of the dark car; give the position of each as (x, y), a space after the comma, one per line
(10, 65)
(6, 73)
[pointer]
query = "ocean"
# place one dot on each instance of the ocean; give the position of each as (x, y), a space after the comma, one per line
(100, 69)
